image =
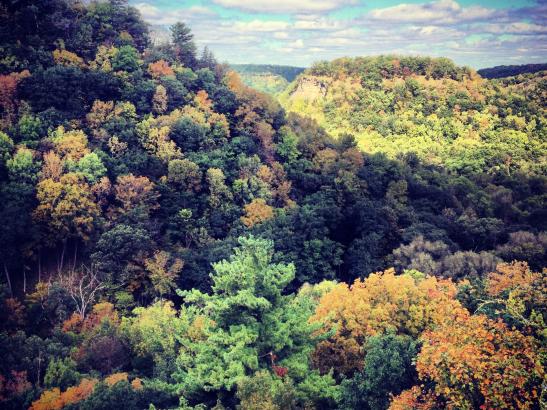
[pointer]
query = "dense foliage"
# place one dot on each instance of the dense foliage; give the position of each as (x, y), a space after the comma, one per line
(171, 238)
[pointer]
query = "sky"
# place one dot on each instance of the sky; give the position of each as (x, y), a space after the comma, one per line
(476, 33)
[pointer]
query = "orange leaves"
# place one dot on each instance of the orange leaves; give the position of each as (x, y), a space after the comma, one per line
(8, 102)
(54, 399)
(474, 360)
(115, 378)
(381, 303)
(509, 276)
(256, 212)
(103, 311)
(160, 69)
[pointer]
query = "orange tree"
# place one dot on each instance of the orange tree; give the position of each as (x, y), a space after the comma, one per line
(474, 362)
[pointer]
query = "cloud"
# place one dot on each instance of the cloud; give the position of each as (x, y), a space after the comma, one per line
(260, 25)
(285, 6)
(157, 16)
(281, 35)
(436, 12)
(469, 34)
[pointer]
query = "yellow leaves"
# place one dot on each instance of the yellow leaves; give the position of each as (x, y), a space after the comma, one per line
(163, 271)
(158, 143)
(67, 206)
(256, 212)
(381, 303)
(70, 145)
(103, 58)
(67, 58)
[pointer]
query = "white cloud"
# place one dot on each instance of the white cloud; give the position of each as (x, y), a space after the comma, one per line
(436, 12)
(286, 6)
(157, 16)
(297, 44)
(280, 35)
(260, 25)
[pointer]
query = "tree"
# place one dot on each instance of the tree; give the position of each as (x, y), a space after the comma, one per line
(160, 69)
(158, 331)
(82, 285)
(185, 173)
(256, 212)
(382, 303)
(67, 207)
(61, 373)
(136, 194)
(160, 100)
(163, 272)
(250, 325)
(476, 362)
(388, 370)
(126, 59)
(218, 191)
(183, 42)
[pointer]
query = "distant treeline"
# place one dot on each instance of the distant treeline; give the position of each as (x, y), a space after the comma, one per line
(501, 71)
(287, 72)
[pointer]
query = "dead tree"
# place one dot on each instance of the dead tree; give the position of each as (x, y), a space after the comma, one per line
(82, 285)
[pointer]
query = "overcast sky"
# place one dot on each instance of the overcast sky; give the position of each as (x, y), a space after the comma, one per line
(478, 33)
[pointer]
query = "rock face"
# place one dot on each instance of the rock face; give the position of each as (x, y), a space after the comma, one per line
(310, 88)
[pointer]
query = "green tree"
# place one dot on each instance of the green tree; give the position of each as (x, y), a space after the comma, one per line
(388, 369)
(183, 41)
(251, 325)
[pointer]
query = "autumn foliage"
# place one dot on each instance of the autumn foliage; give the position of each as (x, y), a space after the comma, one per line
(384, 302)
(476, 362)
(54, 399)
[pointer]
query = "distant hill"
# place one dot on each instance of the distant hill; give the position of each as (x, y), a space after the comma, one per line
(445, 114)
(501, 71)
(271, 79)
(289, 73)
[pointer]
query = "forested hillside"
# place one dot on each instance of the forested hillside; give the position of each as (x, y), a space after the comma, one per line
(446, 115)
(173, 239)
(501, 71)
(271, 79)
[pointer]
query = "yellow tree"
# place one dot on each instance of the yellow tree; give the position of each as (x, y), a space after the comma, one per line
(67, 208)
(163, 271)
(383, 302)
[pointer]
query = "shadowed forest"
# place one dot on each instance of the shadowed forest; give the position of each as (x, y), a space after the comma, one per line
(371, 237)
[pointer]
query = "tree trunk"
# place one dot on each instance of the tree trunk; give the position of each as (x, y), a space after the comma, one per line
(39, 266)
(8, 279)
(75, 255)
(62, 262)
